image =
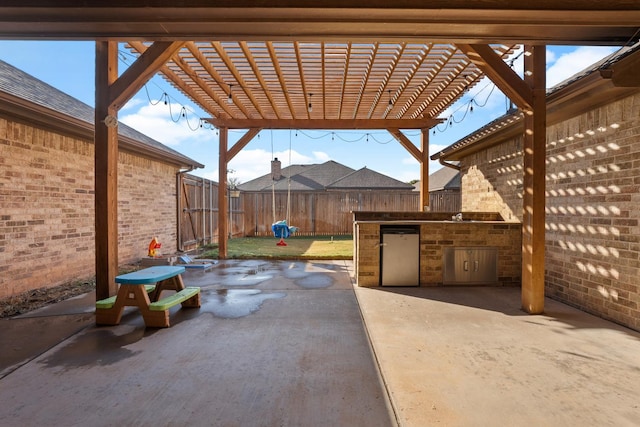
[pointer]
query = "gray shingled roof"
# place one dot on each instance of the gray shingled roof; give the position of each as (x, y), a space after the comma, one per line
(330, 175)
(444, 179)
(368, 179)
(19, 84)
(514, 115)
(596, 66)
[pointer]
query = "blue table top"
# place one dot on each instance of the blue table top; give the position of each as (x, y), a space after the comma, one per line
(150, 275)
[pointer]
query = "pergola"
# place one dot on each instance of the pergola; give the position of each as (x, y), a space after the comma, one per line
(335, 64)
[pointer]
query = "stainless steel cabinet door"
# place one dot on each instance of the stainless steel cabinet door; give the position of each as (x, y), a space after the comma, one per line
(470, 266)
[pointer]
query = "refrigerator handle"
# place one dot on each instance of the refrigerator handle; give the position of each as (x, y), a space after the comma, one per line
(466, 266)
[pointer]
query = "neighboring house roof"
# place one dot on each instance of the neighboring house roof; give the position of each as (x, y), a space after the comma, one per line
(24, 95)
(330, 175)
(367, 179)
(591, 84)
(444, 179)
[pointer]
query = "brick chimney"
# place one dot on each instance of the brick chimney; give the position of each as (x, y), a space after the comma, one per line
(276, 169)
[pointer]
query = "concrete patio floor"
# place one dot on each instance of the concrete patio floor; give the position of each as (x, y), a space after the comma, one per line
(280, 343)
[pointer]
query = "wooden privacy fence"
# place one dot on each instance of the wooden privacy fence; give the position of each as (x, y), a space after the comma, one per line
(445, 201)
(197, 212)
(319, 213)
(251, 214)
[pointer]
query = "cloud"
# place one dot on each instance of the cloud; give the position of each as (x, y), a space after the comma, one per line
(411, 169)
(435, 148)
(321, 157)
(574, 62)
(409, 161)
(156, 122)
(132, 103)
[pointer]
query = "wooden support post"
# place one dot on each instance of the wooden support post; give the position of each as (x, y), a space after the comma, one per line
(422, 156)
(533, 222)
(424, 171)
(222, 194)
(106, 171)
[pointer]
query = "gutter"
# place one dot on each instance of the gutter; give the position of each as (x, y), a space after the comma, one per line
(28, 112)
(566, 100)
(448, 165)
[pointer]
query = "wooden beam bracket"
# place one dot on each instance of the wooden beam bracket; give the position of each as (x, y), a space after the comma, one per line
(494, 67)
(139, 73)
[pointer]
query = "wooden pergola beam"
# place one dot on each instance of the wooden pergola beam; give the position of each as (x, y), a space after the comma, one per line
(106, 172)
(424, 170)
(223, 201)
(422, 156)
(466, 21)
(242, 142)
(494, 67)
(225, 156)
(181, 84)
(534, 163)
(112, 92)
(139, 73)
(324, 124)
(406, 143)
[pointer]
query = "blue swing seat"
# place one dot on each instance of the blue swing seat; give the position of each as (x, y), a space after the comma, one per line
(281, 230)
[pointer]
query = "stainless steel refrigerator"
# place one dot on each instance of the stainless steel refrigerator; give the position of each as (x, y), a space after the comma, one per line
(400, 257)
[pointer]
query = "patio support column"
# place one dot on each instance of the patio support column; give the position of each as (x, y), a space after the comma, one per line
(222, 193)
(422, 156)
(106, 171)
(424, 170)
(533, 221)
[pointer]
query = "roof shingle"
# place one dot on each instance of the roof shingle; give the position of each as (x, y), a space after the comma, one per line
(19, 84)
(330, 175)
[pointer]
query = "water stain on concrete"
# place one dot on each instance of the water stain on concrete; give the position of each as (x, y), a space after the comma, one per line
(245, 273)
(100, 347)
(315, 281)
(309, 275)
(235, 303)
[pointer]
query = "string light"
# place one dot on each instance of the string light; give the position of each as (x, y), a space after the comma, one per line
(202, 123)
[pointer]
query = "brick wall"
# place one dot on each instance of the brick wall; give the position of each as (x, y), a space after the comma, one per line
(146, 207)
(592, 205)
(482, 174)
(47, 214)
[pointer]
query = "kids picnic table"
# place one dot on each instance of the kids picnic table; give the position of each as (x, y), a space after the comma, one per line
(143, 289)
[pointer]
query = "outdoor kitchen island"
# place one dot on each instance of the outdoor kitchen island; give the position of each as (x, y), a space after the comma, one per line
(481, 249)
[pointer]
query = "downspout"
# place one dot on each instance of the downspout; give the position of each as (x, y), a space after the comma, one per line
(178, 199)
(449, 165)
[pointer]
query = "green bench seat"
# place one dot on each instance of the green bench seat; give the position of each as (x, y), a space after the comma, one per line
(108, 302)
(175, 299)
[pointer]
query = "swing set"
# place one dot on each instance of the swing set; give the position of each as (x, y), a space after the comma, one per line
(281, 229)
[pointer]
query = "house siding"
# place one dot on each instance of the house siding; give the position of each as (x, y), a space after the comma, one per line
(592, 206)
(47, 198)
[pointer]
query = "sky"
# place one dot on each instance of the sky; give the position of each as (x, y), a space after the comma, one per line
(156, 111)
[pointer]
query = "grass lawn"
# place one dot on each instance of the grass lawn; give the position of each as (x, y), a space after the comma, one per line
(298, 247)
